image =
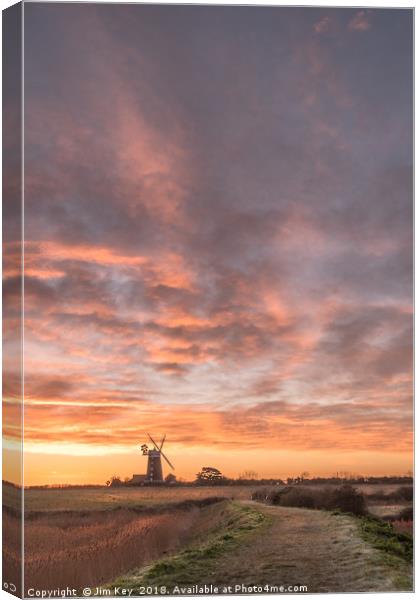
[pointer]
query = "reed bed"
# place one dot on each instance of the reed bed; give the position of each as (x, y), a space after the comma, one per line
(92, 548)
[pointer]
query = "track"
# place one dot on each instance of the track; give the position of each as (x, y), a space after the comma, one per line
(316, 549)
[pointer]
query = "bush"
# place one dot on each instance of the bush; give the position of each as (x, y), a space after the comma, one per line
(379, 496)
(274, 496)
(270, 495)
(405, 493)
(406, 514)
(300, 497)
(261, 495)
(345, 498)
(402, 494)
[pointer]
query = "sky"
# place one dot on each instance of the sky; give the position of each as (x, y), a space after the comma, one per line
(218, 240)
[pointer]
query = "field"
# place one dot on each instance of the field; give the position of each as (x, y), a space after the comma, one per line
(162, 536)
(103, 498)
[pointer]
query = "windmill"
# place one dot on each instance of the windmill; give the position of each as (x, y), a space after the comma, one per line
(154, 460)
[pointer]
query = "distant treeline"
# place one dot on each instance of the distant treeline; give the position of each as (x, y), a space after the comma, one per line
(384, 480)
(58, 486)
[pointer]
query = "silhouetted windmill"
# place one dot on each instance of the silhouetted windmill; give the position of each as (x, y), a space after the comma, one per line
(154, 460)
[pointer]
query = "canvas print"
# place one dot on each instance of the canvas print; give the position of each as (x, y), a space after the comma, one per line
(207, 300)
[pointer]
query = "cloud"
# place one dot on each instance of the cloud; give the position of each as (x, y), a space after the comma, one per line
(275, 425)
(323, 25)
(360, 21)
(219, 246)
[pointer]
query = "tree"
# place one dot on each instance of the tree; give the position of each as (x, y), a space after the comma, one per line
(248, 475)
(209, 475)
(170, 479)
(115, 481)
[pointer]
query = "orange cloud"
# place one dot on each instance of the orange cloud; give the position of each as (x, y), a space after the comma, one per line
(266, 425)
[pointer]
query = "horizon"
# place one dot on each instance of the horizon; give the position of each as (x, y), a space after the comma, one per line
(218, 241)
(181, 482)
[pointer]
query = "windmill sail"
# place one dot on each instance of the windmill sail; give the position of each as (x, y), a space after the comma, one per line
(154, 461)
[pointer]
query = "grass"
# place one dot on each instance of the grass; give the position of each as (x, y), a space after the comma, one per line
(92, 547)
(381, 535)
(86, 536)
(105, 498)
(194, 564)
(396, 549)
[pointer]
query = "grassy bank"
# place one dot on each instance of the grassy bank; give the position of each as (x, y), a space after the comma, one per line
(195, 564)
(381, 536)
(396, 549)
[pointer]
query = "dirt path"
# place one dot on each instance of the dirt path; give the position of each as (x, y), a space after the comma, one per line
(313, 548)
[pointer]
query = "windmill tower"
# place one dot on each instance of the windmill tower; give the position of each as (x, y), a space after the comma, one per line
(154, 460)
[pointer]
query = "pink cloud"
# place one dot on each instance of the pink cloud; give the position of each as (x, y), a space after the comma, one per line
(359, 22)
(323, 25)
